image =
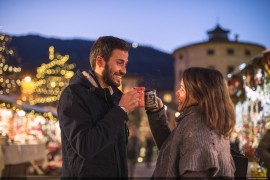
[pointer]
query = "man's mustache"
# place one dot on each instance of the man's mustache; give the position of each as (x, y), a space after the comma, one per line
(120, 73)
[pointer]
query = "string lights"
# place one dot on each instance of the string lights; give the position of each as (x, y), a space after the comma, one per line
(51, 78)
(9, 75)
(46, 115)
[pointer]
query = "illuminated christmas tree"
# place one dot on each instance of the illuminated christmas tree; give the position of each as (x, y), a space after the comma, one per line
(9, 74)
(51, 78)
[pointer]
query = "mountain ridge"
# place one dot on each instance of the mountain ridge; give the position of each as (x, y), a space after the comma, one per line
(154, 66)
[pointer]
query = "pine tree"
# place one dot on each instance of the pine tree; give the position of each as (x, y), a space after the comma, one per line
(51, 78)
(9, 71)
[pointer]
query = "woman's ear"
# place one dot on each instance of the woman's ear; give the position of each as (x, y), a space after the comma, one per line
(192, 100)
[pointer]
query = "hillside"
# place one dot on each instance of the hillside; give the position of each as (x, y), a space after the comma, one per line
(155, 67)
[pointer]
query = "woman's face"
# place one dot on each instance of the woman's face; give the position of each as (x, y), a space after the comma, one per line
(181, 95)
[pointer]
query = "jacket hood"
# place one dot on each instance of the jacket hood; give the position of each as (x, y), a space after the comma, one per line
(80, 78)
(89, 80)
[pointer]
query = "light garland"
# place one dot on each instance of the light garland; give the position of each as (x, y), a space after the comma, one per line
(8, 74)
(252, 76)
(51, 78)
(46, 115)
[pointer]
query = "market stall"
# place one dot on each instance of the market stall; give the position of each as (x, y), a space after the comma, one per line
(250, 91)
(26, 135)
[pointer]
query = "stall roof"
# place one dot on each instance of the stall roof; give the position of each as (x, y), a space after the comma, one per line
(17, 103)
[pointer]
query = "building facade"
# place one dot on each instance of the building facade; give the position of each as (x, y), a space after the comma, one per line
(218, 52)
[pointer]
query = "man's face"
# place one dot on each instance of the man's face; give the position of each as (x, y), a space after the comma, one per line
(115, 68)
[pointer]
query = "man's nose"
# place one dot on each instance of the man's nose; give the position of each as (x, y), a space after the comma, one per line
(123, 70)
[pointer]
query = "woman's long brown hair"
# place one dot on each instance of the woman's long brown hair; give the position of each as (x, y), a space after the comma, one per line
(209, 88)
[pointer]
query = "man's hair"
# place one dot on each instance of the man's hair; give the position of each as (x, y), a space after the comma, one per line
(210, 89)
(104, 46)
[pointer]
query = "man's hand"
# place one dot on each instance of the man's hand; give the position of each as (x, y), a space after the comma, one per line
(130, 100)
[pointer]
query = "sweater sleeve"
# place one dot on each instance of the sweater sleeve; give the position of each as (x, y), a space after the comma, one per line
(202, 150)
(200, 160)
(158, 122)
(196, 174)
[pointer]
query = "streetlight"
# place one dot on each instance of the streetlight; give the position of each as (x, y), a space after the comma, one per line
(28, 88)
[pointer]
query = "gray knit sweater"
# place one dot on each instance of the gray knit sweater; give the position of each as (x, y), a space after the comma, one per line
(191, 149)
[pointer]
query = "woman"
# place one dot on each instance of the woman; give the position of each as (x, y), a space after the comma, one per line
(199, 145)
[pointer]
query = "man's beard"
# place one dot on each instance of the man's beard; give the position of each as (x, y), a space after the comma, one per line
(108, 77)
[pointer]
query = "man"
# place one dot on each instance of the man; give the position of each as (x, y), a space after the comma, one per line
(92, 114)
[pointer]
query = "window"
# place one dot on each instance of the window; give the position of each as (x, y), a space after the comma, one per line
(210, 52)
(180, 56)
(247, 52)
(167, 98)
(230, 69)
(230, 51)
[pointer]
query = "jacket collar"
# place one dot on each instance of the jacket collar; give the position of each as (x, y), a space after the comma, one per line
(91, 78)
(79, 78)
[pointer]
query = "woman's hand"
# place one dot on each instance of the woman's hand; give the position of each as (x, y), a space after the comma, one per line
(160, 105)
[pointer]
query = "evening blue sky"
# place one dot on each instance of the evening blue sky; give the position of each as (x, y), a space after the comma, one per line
(164, 25)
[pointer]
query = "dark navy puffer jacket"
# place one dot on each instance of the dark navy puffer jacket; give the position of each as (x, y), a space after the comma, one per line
(93, 130)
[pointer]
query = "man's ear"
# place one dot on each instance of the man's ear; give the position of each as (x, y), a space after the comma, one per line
(100, 62)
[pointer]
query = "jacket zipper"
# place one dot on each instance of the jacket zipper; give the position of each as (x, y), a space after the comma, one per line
(115, 146)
